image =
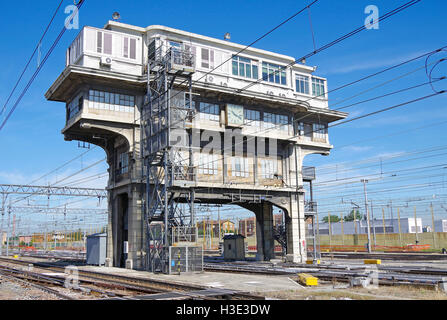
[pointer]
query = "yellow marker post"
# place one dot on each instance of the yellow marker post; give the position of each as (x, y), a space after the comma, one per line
(372, 261)
(307, 279)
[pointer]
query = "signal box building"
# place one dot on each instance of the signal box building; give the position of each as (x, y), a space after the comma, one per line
(252, 116)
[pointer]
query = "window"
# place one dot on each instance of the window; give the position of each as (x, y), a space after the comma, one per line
(74, 107)
(239, 167)
(191, 60)
(207, 58)
(300, 129)
(130, 48)
(209, 111)
(123, 163)
(319, 131)
(269, 168)
(277, 121)
(302, 84)
(273, 73)
(104, 43)
(99, 42)
(318, 87)
(208, 164)
(269, 120)
(111, 101)
(245, 67)
(252, 118)
(283, 122)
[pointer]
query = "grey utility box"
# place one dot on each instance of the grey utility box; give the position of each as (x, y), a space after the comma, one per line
(96, 249)
(234, 247)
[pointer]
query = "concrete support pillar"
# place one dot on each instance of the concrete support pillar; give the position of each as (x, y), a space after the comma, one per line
(110, 231)
(264, 232)
(135, 228)
(296, 230)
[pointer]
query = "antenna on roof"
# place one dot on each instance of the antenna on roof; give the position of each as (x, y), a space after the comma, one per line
(116, 16)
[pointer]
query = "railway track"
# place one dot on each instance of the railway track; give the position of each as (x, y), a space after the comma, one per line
(386, 275)
(15, 278)
(135, 288)
(407, 256)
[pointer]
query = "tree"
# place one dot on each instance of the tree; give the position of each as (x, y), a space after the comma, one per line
(333, 219)
(350, 216)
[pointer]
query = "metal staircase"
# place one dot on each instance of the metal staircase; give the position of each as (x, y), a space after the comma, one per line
(168, 111)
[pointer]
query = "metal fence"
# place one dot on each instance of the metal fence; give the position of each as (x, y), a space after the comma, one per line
(185, 259)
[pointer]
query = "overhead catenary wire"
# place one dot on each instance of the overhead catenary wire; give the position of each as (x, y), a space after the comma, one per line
(39, 68)
(340, 39)
(31, 57)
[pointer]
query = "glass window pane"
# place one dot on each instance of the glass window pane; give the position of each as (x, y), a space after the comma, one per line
(107, 43)
(235, 68)
(242, 69)
(264, 73)
(255, 72)
(99, 42)
(133, 48)
(248, 71)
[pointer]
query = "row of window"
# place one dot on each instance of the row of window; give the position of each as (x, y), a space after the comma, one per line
(104, 45)
(74, 107)
(210, 111)
(315, 130)
(303, 84)
(111, 101)
(249, 68)
(208, 165)
(274, 73)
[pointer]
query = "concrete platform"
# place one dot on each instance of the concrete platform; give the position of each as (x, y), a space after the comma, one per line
(232, 281)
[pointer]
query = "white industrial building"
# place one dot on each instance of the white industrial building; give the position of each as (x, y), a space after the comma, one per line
(130, 89)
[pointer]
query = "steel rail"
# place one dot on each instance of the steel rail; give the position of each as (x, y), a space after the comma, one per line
(136, 284)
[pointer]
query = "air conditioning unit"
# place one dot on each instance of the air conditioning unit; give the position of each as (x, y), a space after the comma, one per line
(106, 61)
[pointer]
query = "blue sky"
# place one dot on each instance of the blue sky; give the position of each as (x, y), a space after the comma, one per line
(32, 144)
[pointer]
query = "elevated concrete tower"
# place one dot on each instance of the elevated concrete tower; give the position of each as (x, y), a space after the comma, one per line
(185, 118)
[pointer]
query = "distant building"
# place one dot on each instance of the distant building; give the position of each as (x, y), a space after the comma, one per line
(247, 227)
(441, 226)
(4, 236)
(25, 239)
(407, 225)
(226, 226)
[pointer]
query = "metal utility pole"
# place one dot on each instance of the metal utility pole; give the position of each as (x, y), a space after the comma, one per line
(416, 226)
(8, 232)
(3, 215)
(433, 225)
(374, 223)
(364, 181)
(220, 228)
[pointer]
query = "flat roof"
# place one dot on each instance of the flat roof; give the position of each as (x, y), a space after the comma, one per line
(190, 35)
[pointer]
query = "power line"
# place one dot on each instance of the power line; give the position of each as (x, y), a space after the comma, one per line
(32, 55)
(25, 90)
(344, 37)
(382, 160)
(385, 109)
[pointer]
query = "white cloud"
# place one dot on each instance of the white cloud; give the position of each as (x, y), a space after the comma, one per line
(356, 148)
(366, 63)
